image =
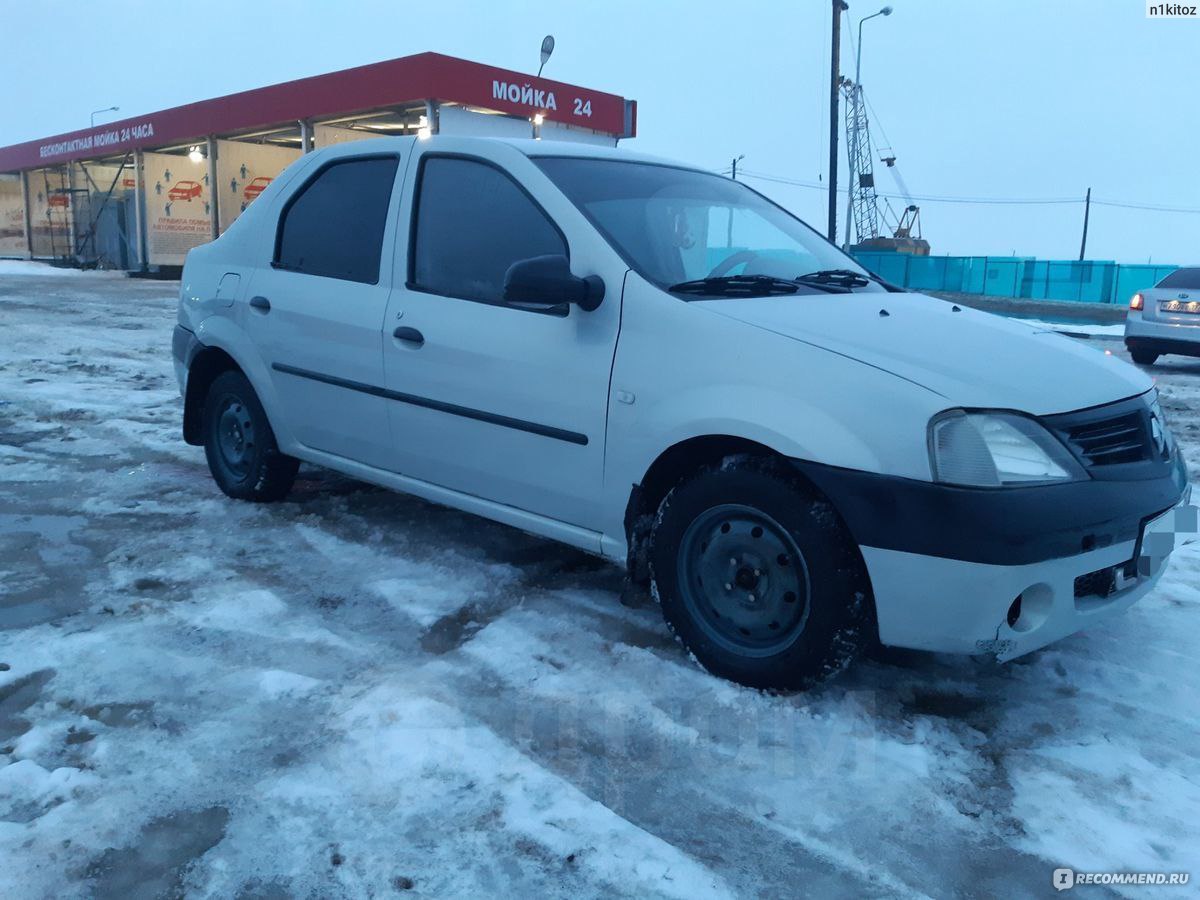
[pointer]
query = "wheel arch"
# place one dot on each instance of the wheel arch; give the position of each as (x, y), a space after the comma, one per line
(206, 367)
(669, 469)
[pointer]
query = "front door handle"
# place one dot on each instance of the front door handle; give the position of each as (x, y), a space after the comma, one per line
(409, 335)
(262, 304)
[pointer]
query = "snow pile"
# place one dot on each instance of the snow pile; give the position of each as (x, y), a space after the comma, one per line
(1085, 329)
(25, 267)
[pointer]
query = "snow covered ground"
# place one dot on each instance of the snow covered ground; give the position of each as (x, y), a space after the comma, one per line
(357, 693)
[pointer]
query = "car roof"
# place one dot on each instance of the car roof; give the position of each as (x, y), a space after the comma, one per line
(572, 149)
(535, 149)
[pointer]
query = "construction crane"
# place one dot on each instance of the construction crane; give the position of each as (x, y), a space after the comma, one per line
(875, 229)
(908, 224)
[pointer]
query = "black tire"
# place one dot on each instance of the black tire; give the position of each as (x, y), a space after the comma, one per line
(758, 576)
(240, 446)
(1144, 357)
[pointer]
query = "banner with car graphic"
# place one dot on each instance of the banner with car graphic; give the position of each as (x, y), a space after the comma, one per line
(243, 172)
(178, 207)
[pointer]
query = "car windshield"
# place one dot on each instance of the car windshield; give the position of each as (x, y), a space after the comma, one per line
(1188, 278)
(675, 225)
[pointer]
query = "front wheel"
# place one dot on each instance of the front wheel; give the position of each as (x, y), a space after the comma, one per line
(240, 446)
(758, 576)
(1144, 357)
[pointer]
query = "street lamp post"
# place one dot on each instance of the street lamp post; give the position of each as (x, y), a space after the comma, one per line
(886, 11)
(106, 109)
(856, 99)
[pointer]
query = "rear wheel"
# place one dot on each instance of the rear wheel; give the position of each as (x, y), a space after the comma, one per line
(1144, 357)
(240, 446)
(758, 577)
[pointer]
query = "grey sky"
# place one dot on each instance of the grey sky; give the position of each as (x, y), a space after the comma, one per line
(1019, 99)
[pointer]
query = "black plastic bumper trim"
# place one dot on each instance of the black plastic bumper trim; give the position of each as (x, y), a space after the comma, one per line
(466, 412)
(1004, 526)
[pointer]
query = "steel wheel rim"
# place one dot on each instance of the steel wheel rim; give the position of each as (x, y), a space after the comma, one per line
(235, 437)
(744, 580)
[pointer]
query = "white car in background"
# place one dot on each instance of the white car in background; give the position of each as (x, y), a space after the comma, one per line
(1165, 318)
(660, 366)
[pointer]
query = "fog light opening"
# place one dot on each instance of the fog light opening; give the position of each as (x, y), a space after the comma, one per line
(1014, 612)
(1031, 608)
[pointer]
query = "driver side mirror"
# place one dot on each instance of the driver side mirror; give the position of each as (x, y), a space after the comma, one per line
(546, 281)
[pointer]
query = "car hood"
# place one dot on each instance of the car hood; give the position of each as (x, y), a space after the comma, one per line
(972, 358)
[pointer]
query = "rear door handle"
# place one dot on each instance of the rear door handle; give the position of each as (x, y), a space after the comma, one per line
(409, 335)
(262, 304)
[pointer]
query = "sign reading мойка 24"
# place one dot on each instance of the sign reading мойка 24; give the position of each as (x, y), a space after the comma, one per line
(536, 99)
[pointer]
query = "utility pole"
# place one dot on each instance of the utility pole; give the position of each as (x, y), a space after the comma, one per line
(835, 79)
(729, 234)
(1087, 208)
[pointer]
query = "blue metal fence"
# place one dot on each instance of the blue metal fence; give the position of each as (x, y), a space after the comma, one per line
(1089, 281)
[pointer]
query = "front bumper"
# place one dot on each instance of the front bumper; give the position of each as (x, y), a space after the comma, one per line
(955, 606)
(947, 565)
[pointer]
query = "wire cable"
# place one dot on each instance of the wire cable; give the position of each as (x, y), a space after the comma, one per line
(1001, 201)
(779, 179)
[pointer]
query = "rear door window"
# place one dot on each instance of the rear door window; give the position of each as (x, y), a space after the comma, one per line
(333, 227)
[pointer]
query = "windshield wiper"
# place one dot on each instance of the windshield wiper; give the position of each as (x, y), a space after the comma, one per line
(846, 278)
(737, 286)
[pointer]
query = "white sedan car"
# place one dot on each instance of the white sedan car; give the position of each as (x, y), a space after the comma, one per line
(1165, 318)
(660, 366)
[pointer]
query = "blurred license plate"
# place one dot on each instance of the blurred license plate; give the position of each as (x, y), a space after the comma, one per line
(1180, 306)
(1160, 536)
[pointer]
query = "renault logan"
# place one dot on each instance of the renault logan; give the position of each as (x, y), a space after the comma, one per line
(660, 366)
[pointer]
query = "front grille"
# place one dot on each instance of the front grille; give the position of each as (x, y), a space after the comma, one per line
(1121, 439)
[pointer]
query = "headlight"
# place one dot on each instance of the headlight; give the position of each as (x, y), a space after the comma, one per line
(997, 450)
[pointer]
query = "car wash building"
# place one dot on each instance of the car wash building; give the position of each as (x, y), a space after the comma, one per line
(139, 193)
